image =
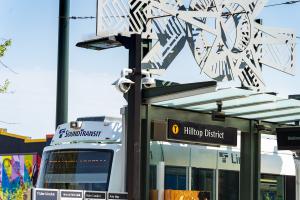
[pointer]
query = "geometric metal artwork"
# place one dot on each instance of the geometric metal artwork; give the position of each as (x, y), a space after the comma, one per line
(223, 35)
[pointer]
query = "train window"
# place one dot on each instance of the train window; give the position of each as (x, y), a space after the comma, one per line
(152, 177)
(76, 169)
(272, 187)
(175, 178)
(203, 180)
(228, 185)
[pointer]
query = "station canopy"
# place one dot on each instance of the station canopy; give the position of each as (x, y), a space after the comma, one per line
(236, 102)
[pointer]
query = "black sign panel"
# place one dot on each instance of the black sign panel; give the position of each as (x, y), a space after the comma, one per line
(43, 194)
(200, 133)
(288, 138)
(71, 194)
(123, 196)
(95, 195)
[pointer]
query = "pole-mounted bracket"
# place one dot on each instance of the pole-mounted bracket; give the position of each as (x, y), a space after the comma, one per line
(263, 127)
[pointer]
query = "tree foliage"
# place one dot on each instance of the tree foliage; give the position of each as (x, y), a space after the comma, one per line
(3, 48)
(4, 87)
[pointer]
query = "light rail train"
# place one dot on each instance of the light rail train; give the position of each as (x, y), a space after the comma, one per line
(90, 155)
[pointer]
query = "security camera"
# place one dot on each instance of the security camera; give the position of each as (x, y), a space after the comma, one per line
(124, 84)
(148, 81)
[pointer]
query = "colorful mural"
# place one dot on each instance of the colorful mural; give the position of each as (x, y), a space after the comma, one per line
(16, 175)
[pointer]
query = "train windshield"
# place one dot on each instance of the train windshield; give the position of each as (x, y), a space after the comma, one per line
(76, 169)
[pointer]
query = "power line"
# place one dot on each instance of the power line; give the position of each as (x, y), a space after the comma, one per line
(10, 123)
(283, 3)
(225, 14)
(7, 67)
(78, 17)
(266, 6)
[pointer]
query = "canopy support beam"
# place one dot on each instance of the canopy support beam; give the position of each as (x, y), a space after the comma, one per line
(250, 163)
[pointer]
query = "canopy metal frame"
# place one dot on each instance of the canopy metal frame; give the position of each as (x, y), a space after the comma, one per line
(155, 111)
(237, 102)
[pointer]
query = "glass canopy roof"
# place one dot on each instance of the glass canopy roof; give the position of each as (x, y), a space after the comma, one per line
(240, 103)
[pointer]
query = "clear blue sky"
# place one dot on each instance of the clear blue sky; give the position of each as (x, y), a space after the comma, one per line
(32, 25)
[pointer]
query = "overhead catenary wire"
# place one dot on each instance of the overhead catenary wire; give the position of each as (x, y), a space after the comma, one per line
(225, 14)
(10, 123)
(283, 3)
(8, 68)
(80, 17)
(270, 5)
(266, 6)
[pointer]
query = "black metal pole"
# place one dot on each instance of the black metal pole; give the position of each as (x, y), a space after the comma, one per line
(146, 132)
(62, 63)
(250, 164)
(134, 165)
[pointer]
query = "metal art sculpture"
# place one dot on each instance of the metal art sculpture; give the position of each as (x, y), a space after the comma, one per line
(223, 35)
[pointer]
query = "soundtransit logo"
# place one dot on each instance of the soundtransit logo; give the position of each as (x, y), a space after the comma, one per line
(61, 132)
(80, 133)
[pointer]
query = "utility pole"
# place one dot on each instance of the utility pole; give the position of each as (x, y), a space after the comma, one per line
(62, 63)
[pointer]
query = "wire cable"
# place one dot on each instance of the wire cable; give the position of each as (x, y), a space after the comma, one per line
(79, 17)
(10, 123)
(7, 67)
(266, 6)
(283, 3)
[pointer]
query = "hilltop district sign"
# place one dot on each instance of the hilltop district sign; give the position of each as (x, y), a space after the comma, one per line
(201, 133)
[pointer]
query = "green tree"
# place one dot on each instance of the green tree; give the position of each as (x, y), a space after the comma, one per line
(4, 86)
(4, 46)
(3, 49)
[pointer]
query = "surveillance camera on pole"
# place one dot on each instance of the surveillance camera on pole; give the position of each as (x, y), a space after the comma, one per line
(148, 81)
(124, 84)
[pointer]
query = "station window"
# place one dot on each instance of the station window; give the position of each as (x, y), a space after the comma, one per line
(203, 180)
(175, 178)
(228, 185)
(272, 187)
